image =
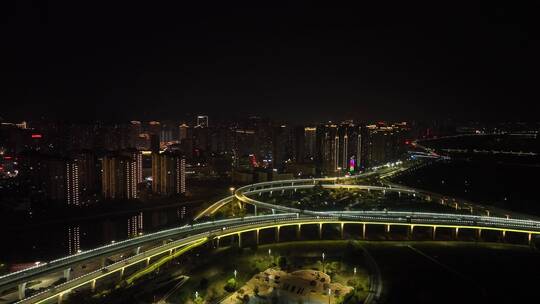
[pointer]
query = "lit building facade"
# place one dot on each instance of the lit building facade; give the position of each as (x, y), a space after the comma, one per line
(121, 175)
(202, 121)
(168, 174)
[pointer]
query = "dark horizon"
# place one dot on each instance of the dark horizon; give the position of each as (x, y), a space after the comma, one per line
(296, 63)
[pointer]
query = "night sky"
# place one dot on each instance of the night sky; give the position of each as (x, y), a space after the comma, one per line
(80, 60)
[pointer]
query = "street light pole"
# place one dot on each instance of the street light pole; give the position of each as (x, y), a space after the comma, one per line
(329, 294)
(323, 262)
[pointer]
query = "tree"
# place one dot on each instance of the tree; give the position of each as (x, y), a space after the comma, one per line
(230, 286)
(282, 262)
(203, 284)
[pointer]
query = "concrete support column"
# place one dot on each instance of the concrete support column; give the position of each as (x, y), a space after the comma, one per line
(341, 230)
(147, 262)
(457, 233)
(60, 298)
(530, 238)
(137, 250)
(388, 228)
(217, 242)
(273, 211)
(239, 240)
(102, 262)
(277, 233)
(411, 231)
(479, 234)
(434, 232)
(22, 291)
(122, 272)
(298, 231)
(364, 231)
(255, 209)
(504, 235)
(93, 285)
(320, 230)
(67, 274)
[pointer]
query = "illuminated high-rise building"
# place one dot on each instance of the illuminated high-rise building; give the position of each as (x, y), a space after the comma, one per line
(121, 175)
(135, 225)
(310, 141)
(183, 130)
(327, 149)
(135, 129)
(154, 127)
(202, 121)
(137, 158)
(54, 178)
(72, 183)
(168, 174)
(74, 239)
(345, 151)
(88, 169)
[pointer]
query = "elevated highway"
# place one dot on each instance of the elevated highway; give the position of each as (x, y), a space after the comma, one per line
(236, 227)
(143, 250)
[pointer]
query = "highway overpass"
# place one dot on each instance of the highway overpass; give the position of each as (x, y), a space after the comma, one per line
(145, 249)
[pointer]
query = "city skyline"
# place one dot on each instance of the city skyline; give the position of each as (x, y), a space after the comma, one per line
(222, 152)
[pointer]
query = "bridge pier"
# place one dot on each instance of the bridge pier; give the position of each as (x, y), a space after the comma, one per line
(147, 262)
(364, 231)
(320, 230)
(239, 240)
(257, 236)
(341, 230)
(434, 232)
(217, 242)
(479, 234)
(138, 250)
(22, 290)
(410, 230)
(457, 233)
(122, 272)
(388, 228)
(529, 238)
(503, 235)
(255, 209)
(277, 233)
(298, 231)
(93, 285)
(273, 211)
(67, 274)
